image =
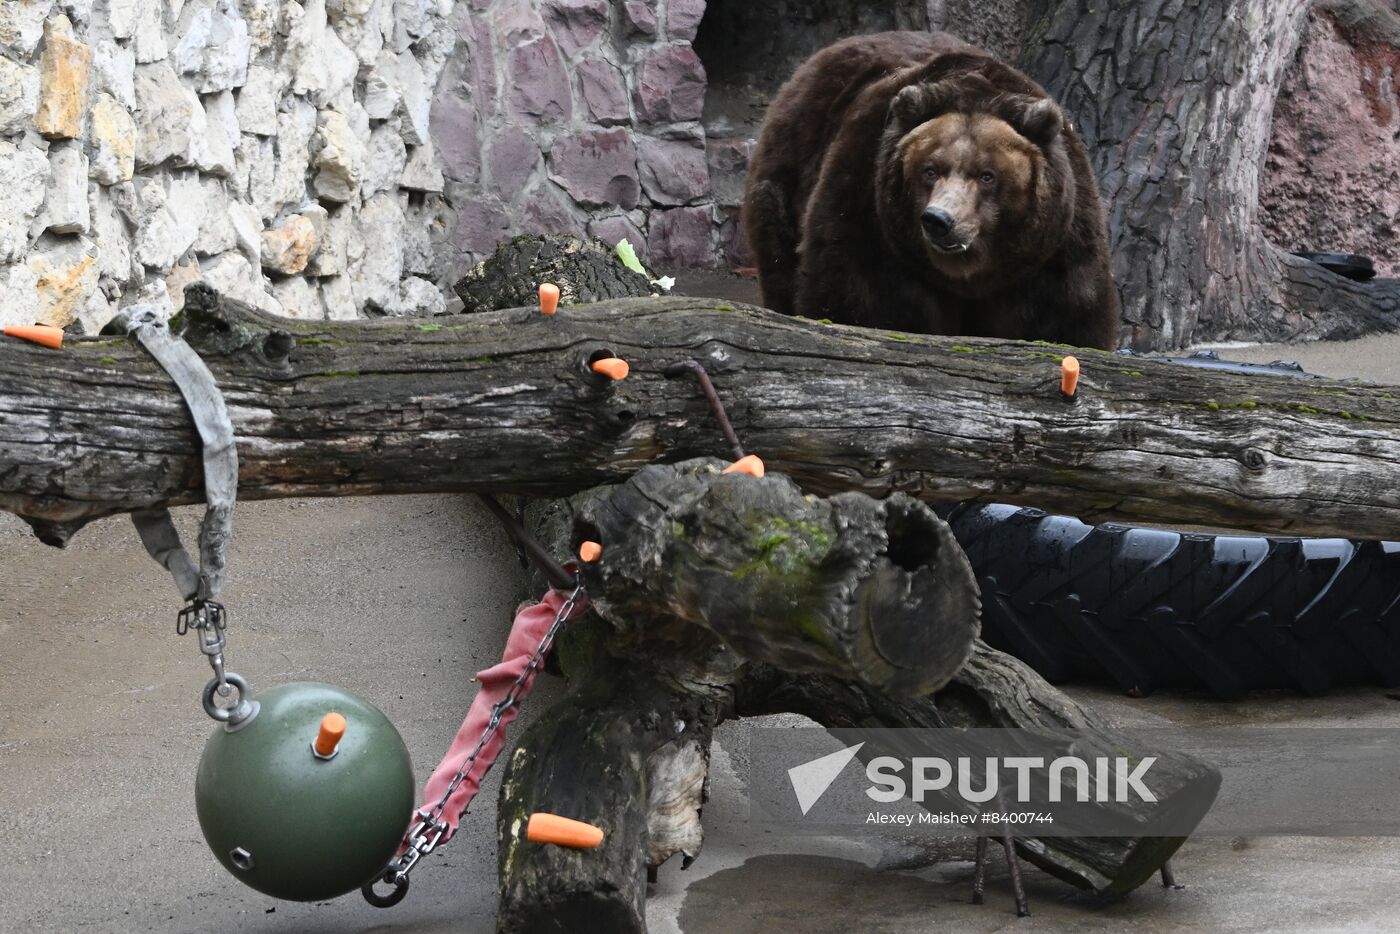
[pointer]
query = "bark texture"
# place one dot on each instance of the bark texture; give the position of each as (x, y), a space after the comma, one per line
(876, 591)
(584, 270)
(627, 748)
(505, 402)
(1175, 100)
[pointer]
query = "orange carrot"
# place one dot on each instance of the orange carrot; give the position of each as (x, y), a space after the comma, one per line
(332, 729)
(750, 465)
(1069, 376)
(611, 367)
(549, 298)
(561, 831)
(43, 334)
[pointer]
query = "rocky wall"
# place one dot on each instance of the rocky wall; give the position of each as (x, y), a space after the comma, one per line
(597, 117)
(278, 149)
(1331, 180)
(354, 157)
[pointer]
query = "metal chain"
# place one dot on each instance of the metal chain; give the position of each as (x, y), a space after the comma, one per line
(428, 829)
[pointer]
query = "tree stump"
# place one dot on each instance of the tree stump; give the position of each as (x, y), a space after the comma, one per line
(876, 591)
(584, 270)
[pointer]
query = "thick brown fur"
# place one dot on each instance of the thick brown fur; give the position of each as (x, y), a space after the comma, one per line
(870, 132)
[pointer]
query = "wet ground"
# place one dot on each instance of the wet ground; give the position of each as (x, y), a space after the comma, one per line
(401, 599)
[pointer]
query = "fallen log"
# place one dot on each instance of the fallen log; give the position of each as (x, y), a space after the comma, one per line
(584, 270)
(505, 402)
(683, 644)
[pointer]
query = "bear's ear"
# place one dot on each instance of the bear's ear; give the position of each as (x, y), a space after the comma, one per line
(1038, 119)
(918, 103)
(909, 106)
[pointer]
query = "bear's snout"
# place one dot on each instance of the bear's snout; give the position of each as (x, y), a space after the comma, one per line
(939, 228)
(938, 223)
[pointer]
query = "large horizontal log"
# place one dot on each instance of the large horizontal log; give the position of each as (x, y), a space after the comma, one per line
(505, 402)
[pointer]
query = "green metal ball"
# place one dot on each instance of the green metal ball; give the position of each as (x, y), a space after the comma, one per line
(291, 824)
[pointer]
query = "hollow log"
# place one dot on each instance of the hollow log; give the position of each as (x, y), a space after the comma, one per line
(505, 402)
(876, 591)
(654, 664)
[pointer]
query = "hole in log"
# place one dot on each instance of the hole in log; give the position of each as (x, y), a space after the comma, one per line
(584, 531)
(277, 346)
(911, 543)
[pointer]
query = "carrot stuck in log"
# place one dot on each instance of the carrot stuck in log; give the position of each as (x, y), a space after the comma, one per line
(613, 368)
(750, 464)
(1069, 377)
(589, 552)
(45, 335)
(549, 298)
(562, 831)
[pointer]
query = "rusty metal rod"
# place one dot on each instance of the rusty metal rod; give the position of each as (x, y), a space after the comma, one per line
(558, 578)
(712, 397)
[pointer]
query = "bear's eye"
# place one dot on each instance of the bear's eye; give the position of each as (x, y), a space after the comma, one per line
(988, 178)
(930, 175)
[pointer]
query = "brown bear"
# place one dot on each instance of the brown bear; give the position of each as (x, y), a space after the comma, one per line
(909, 181)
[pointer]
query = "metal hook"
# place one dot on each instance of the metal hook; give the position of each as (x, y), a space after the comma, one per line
(233, 718)
(399, 880)
(712, 397)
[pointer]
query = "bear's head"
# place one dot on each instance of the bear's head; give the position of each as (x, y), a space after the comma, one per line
(975, 182)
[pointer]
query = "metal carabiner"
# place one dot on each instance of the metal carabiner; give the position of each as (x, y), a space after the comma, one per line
(422, 838)
(399, 880)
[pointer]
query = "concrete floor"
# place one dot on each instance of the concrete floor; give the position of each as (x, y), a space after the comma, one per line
(401, 599)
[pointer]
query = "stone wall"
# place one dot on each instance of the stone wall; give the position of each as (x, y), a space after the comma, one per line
(350, 157)
(279, 149)
(1331, 181)
(636, 118)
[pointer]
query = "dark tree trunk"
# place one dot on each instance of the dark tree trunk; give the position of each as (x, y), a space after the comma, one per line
(1175, 100)
(584, 270)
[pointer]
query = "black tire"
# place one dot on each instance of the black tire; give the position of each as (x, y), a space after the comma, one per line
(1147, 608)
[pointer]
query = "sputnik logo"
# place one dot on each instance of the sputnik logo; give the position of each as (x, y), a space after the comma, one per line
(811, 779)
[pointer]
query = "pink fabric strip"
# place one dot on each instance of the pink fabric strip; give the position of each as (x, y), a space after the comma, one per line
(531, 623)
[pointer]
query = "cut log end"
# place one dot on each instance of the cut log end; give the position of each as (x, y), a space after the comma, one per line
(874, 590)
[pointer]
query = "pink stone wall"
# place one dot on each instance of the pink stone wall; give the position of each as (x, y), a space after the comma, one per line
(578, 117)
(1332, 178)
(609, 118)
